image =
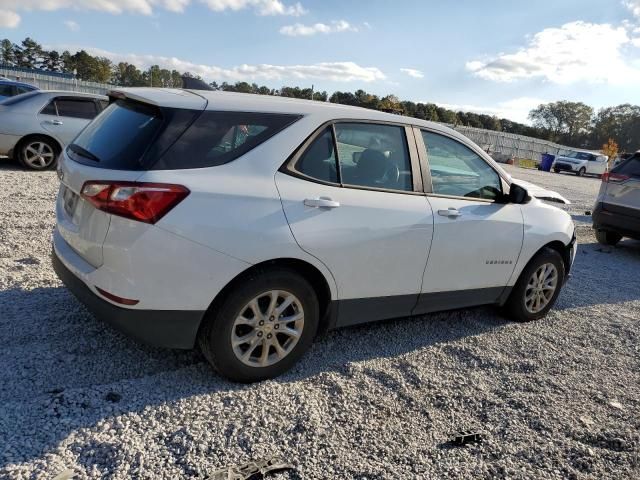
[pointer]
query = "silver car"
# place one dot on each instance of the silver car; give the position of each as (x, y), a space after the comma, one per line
(617, 210)
(35, 126)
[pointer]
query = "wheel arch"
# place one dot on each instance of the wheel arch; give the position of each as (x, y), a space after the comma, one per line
(30, 136)
(558, 246)
(310, 272)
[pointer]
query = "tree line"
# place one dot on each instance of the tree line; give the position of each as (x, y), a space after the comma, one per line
(570, 123)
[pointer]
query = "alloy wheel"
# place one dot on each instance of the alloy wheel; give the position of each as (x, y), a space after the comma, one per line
(267, 328)
(541, 287)
(39, 155)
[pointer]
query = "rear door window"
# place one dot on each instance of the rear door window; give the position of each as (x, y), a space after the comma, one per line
(373, 155)
(76, 108)
(319, 159)
(216, 138)
(50, 109)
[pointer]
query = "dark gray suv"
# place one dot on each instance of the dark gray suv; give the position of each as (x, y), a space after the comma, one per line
(617, 210)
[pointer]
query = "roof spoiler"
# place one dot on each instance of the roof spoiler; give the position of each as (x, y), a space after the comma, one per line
(190, 83)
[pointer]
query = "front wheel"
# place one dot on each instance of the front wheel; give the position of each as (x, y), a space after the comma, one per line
(581, 172)
(262, 328)
(537, 288)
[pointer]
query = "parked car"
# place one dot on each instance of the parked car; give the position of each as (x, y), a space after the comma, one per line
(617, 210)
(35, 126)
(247, 224)
(10, 88)
(581, 163)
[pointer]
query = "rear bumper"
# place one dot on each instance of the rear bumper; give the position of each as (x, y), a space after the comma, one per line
(626, 224)
(162, 328)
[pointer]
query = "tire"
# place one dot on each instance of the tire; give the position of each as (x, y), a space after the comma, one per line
(517, 306)
(608, 238)
(557, 170)
(215, 337)
(581, 172)
(38, 153)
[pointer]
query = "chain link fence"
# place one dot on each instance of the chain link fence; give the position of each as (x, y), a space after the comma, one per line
(502, 146)
(52, 80)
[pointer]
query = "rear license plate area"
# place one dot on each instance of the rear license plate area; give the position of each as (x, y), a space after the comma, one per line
(70, 201)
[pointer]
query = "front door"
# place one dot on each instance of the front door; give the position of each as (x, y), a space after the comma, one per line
(351, 200)
(477, 238)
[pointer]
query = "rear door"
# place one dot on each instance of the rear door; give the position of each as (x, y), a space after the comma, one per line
(477, 239)
(66, 116)
(352, 198)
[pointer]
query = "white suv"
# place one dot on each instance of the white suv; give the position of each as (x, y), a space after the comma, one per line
(249, 224)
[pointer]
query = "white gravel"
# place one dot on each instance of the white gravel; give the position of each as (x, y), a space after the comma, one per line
(559, 398)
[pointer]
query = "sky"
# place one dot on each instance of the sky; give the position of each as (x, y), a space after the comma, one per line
(494, 56)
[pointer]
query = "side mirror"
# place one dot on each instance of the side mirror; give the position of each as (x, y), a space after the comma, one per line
(518, 194)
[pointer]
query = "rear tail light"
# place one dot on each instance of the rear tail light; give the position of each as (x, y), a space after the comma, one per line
(144, 202)
(614, 177)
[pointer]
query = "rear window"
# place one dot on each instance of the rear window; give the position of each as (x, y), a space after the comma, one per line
(629, 167)
(135, 136)
(119, 137)
(216, 138)
(19, 98)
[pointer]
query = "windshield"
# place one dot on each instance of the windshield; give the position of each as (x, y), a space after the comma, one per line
(580, 155)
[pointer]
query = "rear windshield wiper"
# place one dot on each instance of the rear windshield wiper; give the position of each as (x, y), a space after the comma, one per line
(83, 152)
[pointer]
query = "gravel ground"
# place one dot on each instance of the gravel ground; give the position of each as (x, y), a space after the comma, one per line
(559, 398)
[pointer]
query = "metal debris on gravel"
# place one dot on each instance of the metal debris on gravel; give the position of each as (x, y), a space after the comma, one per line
(372, 402)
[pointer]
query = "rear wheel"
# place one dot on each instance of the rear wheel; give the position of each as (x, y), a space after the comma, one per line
(557, 170)
(608, 238)
(38, 153)
(262, 328)
(538, 287)
(581, 172)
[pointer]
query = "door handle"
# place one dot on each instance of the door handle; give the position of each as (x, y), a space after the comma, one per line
(56, 122)
(450, 212)
(322, 202)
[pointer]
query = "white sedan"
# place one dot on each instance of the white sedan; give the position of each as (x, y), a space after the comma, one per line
(35, 126)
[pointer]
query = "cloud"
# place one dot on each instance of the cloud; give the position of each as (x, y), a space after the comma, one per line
(575, 52)
(328, 71)
(261, 7)
(9, 15)
(516, 109)
(412, 72)
(71, 25)
(299, 29)
(633, 6)
(9, 19)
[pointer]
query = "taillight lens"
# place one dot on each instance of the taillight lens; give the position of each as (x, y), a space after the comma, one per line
(614, 177)
(144, 202)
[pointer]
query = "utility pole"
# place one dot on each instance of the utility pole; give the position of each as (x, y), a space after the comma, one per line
(311, 92)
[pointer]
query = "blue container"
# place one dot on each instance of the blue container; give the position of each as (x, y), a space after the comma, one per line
(547, 161)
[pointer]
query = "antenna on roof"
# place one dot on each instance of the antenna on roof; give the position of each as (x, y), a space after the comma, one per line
(194, 84)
